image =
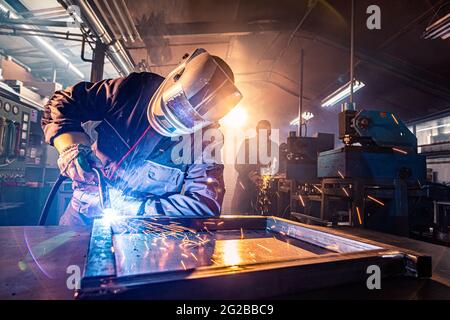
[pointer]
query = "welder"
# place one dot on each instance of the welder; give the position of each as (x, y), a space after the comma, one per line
(251, 168)
(142, 117)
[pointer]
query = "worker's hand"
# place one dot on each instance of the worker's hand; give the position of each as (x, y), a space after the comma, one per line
(76, 162)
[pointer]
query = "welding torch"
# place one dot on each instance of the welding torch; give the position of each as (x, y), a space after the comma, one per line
(103, 192)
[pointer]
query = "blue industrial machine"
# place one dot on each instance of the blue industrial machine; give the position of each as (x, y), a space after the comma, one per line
(377, 172)
(376, 180)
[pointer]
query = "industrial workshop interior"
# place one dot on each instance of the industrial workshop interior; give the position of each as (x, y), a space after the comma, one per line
(226, 150)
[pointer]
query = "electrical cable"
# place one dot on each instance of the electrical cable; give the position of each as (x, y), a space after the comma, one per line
(51, 196)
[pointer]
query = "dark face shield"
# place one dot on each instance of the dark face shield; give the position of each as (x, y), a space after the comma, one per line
(197, 93)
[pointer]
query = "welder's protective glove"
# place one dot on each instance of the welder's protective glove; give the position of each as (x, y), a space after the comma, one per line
(76, 162)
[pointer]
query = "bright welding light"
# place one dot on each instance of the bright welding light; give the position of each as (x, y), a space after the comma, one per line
(110, 215)
(236, 118)
(341, 93)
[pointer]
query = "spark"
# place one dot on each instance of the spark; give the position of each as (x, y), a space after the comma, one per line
(359, 215)
(340, 174)
(242, 233)
(193, 256)
(318, 189)
(261, 246)
(376, 200)
(400, 151)
(182, 263)
(302, 201)
(393, 117)
(185, 255)
(112, 249)
(220, 223)
(345, 191)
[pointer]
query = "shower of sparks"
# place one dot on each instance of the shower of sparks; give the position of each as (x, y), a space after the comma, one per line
(399, 151)
(263, 199)
(301, 200)
(359, 215)
(381, 203)
(345, 191)
(340, 174)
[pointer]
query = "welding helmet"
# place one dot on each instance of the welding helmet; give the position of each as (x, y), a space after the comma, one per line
(199, 92)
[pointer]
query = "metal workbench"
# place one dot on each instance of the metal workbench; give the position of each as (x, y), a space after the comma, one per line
(34, 260)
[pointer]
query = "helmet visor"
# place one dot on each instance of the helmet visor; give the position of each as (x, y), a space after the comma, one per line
(203, 94)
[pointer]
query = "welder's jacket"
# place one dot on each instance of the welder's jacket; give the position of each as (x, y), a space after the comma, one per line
(148, 171)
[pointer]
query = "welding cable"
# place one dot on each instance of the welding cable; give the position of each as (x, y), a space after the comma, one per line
(50, 198)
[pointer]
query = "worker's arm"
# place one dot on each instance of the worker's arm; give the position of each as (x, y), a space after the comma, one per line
(64, 113)
(67, 109)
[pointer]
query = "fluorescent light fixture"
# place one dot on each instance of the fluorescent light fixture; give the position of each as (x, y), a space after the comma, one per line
(52, 50)
(305, 115)
(434, 127)
(341, 93)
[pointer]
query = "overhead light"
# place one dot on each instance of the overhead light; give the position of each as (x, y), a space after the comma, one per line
(341, 93)
(305, 116)
(46, 45)
(439, 29)
(434, 127)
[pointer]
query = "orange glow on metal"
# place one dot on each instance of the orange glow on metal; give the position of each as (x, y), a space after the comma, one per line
(359, 215)
(376, 200)
(231, 252)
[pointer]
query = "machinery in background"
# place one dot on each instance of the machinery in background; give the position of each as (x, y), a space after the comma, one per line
(376, 180)
(27, 164)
